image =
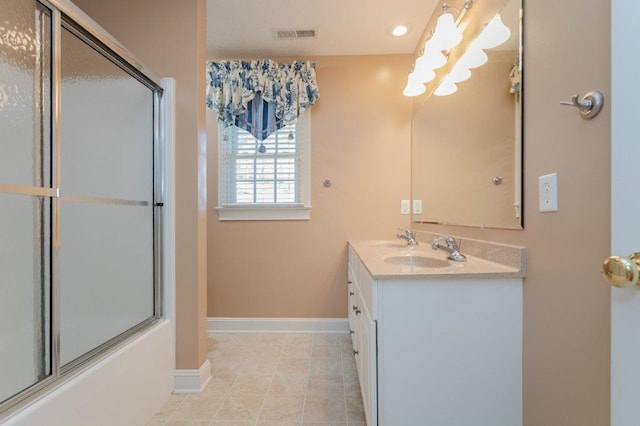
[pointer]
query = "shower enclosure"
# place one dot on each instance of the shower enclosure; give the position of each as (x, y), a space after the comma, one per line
(80, 197)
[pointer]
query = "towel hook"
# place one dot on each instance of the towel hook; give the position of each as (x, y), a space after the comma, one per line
(589, 106)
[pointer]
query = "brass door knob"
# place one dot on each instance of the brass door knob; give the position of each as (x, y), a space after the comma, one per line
(622, 271)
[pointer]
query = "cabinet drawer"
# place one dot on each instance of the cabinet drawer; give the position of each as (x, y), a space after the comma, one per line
(352, 297)
(367, 290)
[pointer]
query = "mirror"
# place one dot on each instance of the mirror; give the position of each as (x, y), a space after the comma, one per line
(467, 147)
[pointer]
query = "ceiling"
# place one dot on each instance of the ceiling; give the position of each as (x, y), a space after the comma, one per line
(245, 28)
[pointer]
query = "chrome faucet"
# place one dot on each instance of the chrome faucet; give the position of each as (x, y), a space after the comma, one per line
(408, 235)
(450, 246)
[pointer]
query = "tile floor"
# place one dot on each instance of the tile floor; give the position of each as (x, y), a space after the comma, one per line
(273, 379)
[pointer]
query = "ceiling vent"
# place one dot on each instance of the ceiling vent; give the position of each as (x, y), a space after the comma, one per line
(295, 34)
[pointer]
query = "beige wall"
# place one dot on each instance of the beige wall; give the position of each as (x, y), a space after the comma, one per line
(360, 128)
(566, 302)
(169, 38)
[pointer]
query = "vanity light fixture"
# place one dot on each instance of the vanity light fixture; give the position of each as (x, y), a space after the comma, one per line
(447, 34)
(445, 37)
(493, 34)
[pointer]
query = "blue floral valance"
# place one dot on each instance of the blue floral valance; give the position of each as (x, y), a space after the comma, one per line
(260, 96)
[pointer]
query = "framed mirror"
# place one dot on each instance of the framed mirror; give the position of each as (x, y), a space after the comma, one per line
(467, 146)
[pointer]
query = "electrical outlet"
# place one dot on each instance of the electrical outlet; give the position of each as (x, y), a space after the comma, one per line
(548, 192)
(417, 206)
(405, 207)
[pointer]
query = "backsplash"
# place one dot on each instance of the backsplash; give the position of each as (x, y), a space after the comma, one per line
(505, 254)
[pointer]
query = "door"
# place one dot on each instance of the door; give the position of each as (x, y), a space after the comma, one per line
(625, 210)
(79, 157)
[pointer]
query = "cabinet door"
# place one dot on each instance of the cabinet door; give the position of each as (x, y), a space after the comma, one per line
(366, 360)
(351, 298)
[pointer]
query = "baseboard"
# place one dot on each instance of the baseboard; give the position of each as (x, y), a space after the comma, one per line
(192, 381)
(277, 325)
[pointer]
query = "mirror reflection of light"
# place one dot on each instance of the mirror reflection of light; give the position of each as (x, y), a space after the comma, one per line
(447, 87)
(494, 34)
(474, 57)
(459, 73)
(432, 57)
(447, 35)
(424, 73)
(414, 86)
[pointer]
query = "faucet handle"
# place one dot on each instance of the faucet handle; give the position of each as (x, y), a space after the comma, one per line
(407, 231)
(437, 237)
(407, 235)
(451, 242)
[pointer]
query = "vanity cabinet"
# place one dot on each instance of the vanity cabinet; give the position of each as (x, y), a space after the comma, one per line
(363, 331)
(441, 351)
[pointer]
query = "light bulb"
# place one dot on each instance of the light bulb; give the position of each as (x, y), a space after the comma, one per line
(446, 35)
(445, 88)
(494, 34)
(414, 87)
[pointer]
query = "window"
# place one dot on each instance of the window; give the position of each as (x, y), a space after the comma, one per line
(264, 180)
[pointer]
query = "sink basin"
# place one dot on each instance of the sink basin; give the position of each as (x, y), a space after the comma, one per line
(420, 261)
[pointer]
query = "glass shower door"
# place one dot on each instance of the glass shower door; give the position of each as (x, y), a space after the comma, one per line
(25, 196)
(106, 214)
(80, 198)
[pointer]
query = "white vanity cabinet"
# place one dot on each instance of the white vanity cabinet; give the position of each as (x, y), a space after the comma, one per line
(445, 351)
(364, 337)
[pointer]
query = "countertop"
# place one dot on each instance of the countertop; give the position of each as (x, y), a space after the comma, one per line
(373, 254)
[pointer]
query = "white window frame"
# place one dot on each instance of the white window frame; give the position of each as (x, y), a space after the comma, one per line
(301, 210)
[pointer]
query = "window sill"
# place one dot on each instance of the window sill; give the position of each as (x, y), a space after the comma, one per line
(264, 212)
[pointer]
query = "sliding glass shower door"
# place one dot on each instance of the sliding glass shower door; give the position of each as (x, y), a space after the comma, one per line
(80, 198)
(25, 196)
(106, 251)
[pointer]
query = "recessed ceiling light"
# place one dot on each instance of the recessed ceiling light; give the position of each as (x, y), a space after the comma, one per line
(399, 30)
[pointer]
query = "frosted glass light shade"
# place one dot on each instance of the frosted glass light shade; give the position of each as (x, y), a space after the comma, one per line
(432, 58)
(447, 87)
(473, 57)
(414, 87)
(446, 35)
(425, 76)
(459, 73)
(423, 70)
(494, 34)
